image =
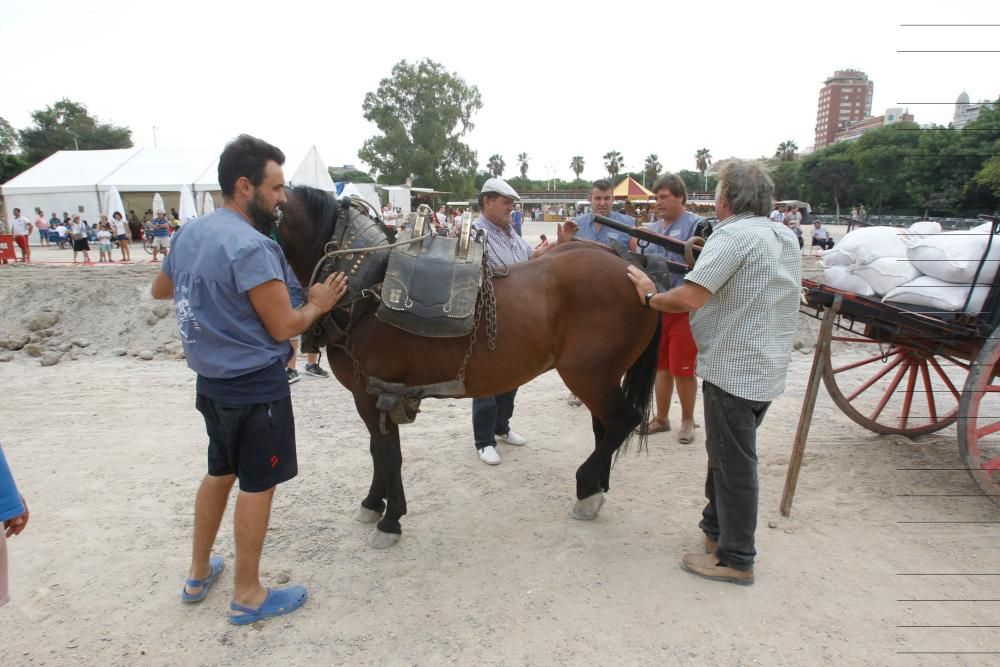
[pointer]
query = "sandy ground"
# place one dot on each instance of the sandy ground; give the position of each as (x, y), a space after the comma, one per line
(490, 569)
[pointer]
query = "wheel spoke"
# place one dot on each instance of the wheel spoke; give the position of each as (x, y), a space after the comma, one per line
(890, 391)
(993, 464)
(931, 405)
(875, 378)
(947, 380)
(911, 383)
(877, 357)
(989, 429)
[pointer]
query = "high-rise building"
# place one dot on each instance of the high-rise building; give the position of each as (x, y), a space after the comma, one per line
(965, 112)
(846, 97)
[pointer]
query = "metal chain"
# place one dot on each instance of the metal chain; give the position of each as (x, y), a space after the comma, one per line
(485, 300)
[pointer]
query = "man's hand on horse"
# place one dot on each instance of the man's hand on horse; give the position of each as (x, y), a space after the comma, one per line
(642, 283)
(326, 294)
(566, 231)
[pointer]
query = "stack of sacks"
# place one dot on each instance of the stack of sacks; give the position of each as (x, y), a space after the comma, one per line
(920, 266)
(870, 261)
(948, 263)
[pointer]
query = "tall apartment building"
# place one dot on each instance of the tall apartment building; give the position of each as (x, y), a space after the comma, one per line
(846, 97)
(965, 112)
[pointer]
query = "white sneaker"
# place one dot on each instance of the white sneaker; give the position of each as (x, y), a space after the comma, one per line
(489, 455)
(512, 438)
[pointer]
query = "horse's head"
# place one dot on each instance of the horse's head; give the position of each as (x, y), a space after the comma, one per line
(318, 233)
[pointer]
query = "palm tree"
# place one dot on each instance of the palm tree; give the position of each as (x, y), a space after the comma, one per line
(786, 150)
(613, 162)
(496, 165)
(522, 159)
(576, 164)
(652, 170)
(703, 159)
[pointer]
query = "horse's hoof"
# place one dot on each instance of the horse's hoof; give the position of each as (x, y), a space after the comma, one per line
(588, 508)
(365, 515)
(379, 540)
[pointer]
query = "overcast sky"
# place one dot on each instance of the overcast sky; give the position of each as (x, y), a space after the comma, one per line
(557, 79)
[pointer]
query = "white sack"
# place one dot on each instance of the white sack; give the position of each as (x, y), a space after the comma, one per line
(865, 245)
(838, 277)
(834, 257)
(938, 294)
(886, 273)
(954, 256)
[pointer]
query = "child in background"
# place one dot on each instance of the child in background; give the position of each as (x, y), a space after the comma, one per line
(14, 514)
(104, 242)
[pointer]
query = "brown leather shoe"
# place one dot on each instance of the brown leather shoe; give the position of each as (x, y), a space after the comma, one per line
(710, 545)
(709, 567)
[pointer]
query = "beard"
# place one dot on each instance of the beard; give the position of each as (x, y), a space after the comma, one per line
(261, 218)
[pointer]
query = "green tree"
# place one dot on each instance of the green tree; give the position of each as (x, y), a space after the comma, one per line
(66, 125)
(11, 163)
(786, 150)
(613, 162)
(703, 160)
(989, 175)
(496, 165)
(422, 111)
(786, 180)
(352, 176)
(652, 169)
(836, 178)
(522, 161)
(577, 164)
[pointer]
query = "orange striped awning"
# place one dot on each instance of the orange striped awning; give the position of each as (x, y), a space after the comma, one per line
(631, 189)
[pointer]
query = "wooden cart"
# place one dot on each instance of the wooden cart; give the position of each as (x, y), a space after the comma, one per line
(918, 372)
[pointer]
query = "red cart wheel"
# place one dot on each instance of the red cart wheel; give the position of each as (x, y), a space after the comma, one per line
(893, 389)
(979, 424)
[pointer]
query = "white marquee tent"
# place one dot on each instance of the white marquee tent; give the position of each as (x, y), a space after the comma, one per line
(77, 181)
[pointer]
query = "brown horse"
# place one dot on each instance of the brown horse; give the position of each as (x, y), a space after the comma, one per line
(572, 309)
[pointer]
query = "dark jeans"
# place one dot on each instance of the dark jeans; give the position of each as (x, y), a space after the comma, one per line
(491, 417)
(731, 484)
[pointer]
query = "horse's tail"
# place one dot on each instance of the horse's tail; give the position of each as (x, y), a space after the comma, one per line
(638, 386)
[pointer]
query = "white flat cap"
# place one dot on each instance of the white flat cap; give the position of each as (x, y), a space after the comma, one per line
(499, 186)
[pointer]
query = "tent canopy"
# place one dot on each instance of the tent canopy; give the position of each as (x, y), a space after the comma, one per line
(79, 180)
(630, 189)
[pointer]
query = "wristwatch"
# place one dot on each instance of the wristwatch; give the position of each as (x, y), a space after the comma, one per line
(647, 297)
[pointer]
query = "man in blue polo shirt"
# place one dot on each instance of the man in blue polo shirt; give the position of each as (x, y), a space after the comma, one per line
(601, 200)
(229, 282)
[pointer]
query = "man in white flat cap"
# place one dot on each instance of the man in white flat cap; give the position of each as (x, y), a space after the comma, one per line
(504, 248)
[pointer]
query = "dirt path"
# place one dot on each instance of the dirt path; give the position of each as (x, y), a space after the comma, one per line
(490, 569)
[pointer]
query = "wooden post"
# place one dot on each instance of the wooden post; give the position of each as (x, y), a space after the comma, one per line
(808, 404)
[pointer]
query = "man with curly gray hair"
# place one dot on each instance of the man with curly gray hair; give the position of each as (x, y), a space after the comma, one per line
(743, 295)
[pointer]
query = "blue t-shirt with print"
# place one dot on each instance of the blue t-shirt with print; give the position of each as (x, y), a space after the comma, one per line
(681, 229)
(214, 262)
(589, 232)
(10, 500)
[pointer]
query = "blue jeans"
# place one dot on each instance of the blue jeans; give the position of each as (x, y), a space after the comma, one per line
(491, 417)
(731, 484)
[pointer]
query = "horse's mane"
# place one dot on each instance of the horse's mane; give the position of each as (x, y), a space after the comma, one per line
(321, 207)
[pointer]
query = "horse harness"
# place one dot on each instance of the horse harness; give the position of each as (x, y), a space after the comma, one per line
(427, 285)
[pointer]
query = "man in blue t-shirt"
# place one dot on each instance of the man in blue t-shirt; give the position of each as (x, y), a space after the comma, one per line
(601, 199)
(229, 280)
(516, 219)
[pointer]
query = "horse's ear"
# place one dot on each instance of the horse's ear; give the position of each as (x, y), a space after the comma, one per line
(345, 201)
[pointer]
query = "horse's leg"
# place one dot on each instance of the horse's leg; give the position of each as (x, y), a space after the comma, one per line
(387, 481)
(373, 506)
(613, 418)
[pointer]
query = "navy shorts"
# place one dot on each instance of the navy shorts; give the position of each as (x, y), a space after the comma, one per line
(254, 442)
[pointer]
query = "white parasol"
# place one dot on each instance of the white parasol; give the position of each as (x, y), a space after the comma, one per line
(188, 210)
(207, 204)
(158, 204)
(113, 203)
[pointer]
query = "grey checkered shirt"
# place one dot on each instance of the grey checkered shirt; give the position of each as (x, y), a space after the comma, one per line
(753, 268)
(504, 247)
